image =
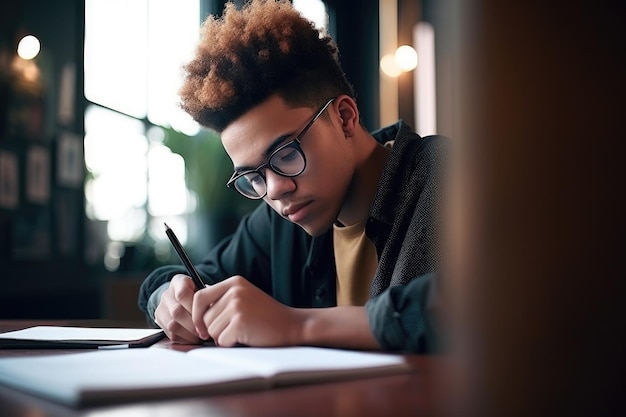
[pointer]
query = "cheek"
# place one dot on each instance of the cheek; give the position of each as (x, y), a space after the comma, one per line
(336, 168)
(330, 166)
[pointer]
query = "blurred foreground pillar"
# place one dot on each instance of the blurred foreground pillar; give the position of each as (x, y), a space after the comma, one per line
(536, 229)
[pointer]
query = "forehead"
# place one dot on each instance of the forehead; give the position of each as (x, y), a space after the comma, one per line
(248, 138)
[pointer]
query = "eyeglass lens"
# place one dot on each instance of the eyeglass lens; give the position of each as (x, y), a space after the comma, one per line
(287, 161)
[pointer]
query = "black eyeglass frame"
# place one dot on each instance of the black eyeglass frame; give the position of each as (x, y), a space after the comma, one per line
(294, 143)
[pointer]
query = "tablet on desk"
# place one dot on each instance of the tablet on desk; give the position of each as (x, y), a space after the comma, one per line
(68, 337)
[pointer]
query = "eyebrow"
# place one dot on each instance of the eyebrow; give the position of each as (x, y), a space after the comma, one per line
(275, 144)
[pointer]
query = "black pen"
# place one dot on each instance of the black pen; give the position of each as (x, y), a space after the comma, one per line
(193, 272)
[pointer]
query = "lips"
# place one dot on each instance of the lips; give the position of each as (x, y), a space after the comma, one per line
(292, 210)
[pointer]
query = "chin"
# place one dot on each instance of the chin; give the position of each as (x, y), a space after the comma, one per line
(315, 230)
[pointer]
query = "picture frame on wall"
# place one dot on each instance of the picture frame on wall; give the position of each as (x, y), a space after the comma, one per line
(9, 180)
(70, 161)
(38, 175)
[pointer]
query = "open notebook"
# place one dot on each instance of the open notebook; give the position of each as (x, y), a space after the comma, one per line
(66, 337)
(107, 376)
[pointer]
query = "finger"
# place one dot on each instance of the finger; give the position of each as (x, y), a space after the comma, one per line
(172, 315)
(183, 290)
(174, 330)
(225, 330)
(179, 334)
(215, 322)
(208, 304)
(182, 318)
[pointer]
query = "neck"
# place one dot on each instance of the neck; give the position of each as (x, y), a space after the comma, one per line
(362, 190)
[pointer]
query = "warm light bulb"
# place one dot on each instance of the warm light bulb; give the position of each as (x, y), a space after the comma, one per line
(406, 58)
(28, 47)
(389, 66)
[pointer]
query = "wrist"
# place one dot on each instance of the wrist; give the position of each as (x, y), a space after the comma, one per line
(345, 327)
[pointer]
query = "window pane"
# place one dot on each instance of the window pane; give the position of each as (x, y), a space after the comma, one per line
(173, 32)
(315, 11)
(167, 188)
(116, 54)
(134, 52)
(115, 157)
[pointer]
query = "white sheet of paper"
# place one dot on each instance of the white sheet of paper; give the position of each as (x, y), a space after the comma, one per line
(52, 333)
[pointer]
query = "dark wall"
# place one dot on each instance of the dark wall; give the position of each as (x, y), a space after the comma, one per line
(42, 272)
(356, 33)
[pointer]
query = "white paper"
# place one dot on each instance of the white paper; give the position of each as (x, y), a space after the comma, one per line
(62, 333)
(273, 361)
(113, 375)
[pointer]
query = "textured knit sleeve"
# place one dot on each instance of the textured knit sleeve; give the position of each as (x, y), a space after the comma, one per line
(403, 318)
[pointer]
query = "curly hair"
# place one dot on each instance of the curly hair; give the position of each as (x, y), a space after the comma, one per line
(249, 54)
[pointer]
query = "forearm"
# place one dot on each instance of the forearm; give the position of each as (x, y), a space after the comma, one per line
(341, 327)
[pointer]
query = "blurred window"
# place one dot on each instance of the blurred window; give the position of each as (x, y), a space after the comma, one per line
(133, 56)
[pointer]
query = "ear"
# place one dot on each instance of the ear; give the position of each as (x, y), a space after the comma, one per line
(348, 113)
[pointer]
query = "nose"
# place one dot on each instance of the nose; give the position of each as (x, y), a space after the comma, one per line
(277, 185)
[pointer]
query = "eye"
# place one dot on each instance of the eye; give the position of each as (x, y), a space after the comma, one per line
(254, 179)
(286, 155)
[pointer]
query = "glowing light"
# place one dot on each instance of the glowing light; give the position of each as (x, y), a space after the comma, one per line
(389, 66)
(406, 58)
(28, 47)
(403, 60)
(425, 80)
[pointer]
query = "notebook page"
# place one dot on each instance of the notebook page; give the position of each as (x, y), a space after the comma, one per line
(300, 359)
(111, 375)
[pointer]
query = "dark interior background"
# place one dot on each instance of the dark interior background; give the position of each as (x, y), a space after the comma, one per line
(51, 276)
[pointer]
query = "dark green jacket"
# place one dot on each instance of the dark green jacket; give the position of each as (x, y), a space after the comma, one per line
(298, 270)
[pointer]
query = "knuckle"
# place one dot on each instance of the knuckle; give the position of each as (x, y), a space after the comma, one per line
(178, 278)
(225, 342)
(170, 327)
(198, 297)
(236, 292)
(237, 320)
(178, 312)
(237, 303)
(180, 294)
(238, 280)
(170, 331)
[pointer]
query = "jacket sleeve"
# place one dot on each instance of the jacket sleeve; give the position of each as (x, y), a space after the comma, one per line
(245, 252)
(403, 318)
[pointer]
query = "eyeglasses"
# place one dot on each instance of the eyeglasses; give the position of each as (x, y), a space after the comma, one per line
(287, 161)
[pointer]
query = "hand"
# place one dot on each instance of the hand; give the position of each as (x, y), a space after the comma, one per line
(173, 314)
(236, 312)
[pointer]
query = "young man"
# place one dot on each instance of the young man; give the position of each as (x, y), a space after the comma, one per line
(342, 251)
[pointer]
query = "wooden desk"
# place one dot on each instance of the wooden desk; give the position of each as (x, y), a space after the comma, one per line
(396, 395)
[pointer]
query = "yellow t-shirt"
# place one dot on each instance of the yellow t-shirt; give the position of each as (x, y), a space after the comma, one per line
(356, 262)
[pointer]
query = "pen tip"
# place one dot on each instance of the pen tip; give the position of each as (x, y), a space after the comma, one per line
(166, 226)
